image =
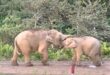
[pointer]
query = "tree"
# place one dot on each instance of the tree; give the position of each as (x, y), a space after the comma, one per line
(76, 17)
(90, 19)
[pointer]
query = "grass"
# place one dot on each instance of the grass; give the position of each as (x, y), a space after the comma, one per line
(6, 52)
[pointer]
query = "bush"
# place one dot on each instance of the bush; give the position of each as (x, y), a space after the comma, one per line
(105, 47)
(6, 51)
(54, 54)
(60, 54)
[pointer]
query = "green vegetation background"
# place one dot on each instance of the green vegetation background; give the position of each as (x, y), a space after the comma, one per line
(75, 17)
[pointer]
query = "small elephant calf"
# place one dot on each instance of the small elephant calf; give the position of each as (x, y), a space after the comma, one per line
(86, 45)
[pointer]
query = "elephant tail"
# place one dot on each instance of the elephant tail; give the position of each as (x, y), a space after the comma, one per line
(17, 47)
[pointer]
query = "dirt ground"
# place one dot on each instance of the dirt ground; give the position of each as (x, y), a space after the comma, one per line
(55, 68)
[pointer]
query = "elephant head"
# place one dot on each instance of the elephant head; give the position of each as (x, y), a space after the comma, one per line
(86, 45)
(56, 38)
(69, 42)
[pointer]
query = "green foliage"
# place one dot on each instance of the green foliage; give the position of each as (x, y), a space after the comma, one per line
(35, 56)
(10, 28)
(60, 54)
(76, 17)
(53, 54)
(90, 19)
(105, 49)
(5, 51)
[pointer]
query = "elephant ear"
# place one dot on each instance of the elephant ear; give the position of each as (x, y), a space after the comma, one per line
(50, 36)
(49, 39)
(74, 43)
(70, 43)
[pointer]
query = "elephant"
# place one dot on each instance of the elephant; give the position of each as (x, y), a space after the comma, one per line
(35, 40)
(86, 45)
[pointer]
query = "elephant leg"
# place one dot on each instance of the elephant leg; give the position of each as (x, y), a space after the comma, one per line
(96, 60)
(26, 50)
(27, 59)
(14, 58)
(45, 57)
(95, 56)
(78, 52)
(43, 51)
(74, 57)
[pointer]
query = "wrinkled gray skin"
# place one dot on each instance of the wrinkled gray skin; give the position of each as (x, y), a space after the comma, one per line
(37, 40)
(86, 45)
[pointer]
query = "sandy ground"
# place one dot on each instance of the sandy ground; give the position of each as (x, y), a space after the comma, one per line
(55, 68)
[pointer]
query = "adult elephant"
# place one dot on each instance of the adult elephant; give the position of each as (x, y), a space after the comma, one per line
(37, 40)
(86, 45)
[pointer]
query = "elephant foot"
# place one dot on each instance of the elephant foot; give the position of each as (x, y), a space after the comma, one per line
(28, 64)
(78, 64)
(98, 64)
(14, 64)
(45, 64)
